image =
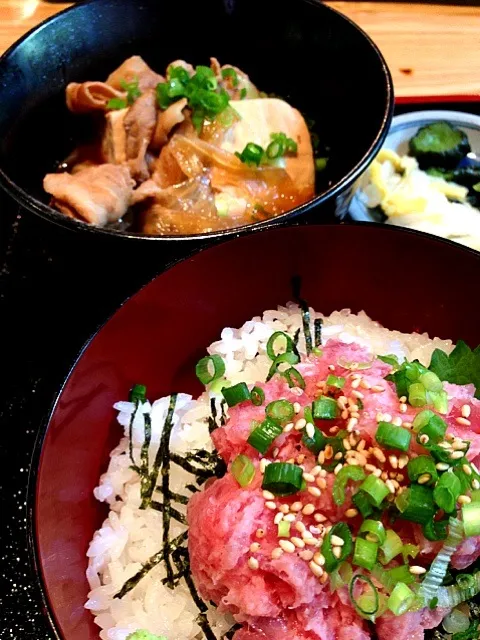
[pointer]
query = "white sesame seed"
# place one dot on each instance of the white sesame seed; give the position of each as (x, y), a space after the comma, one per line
(308, 509)
(456, 455)
(315, 569)
(403, 408)
(287, 546)
(442, 466)
(253, 563)
(288, 427)
(300, 458)
(400, 477)
(379, 455)
(397, 421)
(271, 505)
(290, 517)
(353, 462)
(310, 429)
(254, 547)
(355, 414)
(300, 527)
(321, 483)
(278, 518)
(296, 407)
(424, 438)
(337, 552)
(402, 399)
(260, 533)
(347, 444)
(384, 475)
(377, 473)
(296, 506)
(319, 517)
(362, 460)
(463, 421)
(338, 468)
(464, 499)
(315, 530)
(284, 508)
(407, 425)
(358, 394)
(311, 542)
(276, 553)
(323, 473)
(351, 513)
(338, 456)
(275, 452)
(377, 388)
(390, 486)
(370, 467)
(345, 414)
(459, 445)
(387, 417)
(268, 495)
(306, 555)
(364, 384)
(328, 452)
(417, 571)
(316, 470)
(334, 429)
(298, 542)
(445, 445)
(475, 484)
(402, 461)
(331, 367)
(300, 424)
(319, 559)
(337, 541)
(308, 477)
(356, 383)
(314, 491)
(424, 478)
(361, 445)
(466, 410)
(393, 461)
(467, 469)
(351, 424)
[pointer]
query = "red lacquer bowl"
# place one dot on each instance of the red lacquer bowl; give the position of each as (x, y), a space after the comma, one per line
(405, 280)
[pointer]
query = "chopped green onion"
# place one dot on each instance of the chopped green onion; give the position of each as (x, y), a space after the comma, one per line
(317, 443)
(321, 164)
(362, 503)
(393, 437)
(417, 394)
(422, 419)
(398, 574)
(243, 470)
(294, 378)
(274, 150)
(471, 519)
(391, 360)
(374, 603)
(284, 358)
(264, 434)
(447, 491)
(416, 504)
(422, 468)
(317, 327)
(325, 408)
(209, 369)
(433, 603)
(257, 396)
(289, 345)
(280, 410)
(341, 576)
(346, 473)
(236, 394)
(138, 393)
(431, 381)
(435, 429)
(117, 103)
(439, 399)
(401, 599)
(252, 154)
(410, 551)
(229, 72)
(435, 530)
(365, 553)
(283, 529)
(374, 531)
(243, 93)
(282, 478)
(342, 531)
(335, 381)
(475, 495)
(375, 488)
(391, 548)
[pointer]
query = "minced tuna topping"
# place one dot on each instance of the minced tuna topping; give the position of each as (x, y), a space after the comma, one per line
(347, 477)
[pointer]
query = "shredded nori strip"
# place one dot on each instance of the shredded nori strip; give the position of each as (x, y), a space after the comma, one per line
(150, 564)
(212, 420)
(296, 287)
(223, 418)
(144, 464)
(130, 438)
(296, 337)
(176, 515)
(182, 562)
(192, 488)
(317, 325)
(231, 632)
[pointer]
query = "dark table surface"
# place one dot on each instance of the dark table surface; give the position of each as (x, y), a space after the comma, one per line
(54, 293)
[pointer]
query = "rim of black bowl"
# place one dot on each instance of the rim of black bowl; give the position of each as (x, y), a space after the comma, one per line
(45, 422)
(45, 211)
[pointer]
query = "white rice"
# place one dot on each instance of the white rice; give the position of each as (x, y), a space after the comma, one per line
(130, 536)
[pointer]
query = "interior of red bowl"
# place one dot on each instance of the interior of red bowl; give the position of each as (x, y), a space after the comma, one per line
(408, 281)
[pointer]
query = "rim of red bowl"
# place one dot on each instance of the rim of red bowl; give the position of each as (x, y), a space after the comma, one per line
(35, 468)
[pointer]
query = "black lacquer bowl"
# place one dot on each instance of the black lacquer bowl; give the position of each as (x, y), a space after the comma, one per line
(298, 49)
